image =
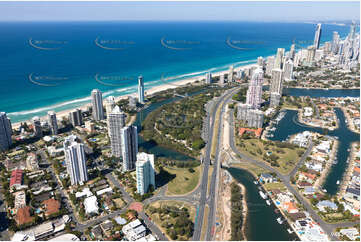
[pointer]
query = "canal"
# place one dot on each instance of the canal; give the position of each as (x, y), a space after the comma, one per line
(290, 125)
(261, 221)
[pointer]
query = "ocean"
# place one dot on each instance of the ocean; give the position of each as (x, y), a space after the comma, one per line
(55, 65)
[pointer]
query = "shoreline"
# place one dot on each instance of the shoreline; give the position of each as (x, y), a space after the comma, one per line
(153, 90)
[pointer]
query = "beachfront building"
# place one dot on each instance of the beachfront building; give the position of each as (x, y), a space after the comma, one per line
(270, 64)
(53, 122)
(288, 70)
(75, 160)
(5, 132)
(76, 117)
(208, 79)
(140, 89)
(292, 52)
(276, 82)
(109, 104)
(116, 121)
(230, 74)
(221, 79)
(97, 105)
(38, 131)
(335, 42)
(311, 51)
(275, 99)
(260, 62)
(279, 58)
(145, 172)
(254, 92)
(252, 118)
(316, 41)
(129, 144)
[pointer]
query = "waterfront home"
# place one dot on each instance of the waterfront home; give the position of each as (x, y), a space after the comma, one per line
(290, 207)
(266, 178)
(352, 195)
(303, 184)
(308, 112)
(307, 176)
(326, 204)
(309, 190)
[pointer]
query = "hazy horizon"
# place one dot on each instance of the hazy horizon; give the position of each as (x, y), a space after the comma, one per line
(179, 11)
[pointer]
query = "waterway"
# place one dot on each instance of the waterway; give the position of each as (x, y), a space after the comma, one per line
(261, 221)
(262, 217)
(290, 125)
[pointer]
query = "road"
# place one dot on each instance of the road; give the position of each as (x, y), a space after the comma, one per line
(151, 226)
(204, 183)
(328, 228)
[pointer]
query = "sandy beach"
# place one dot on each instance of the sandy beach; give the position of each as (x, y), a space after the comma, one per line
(64, 113)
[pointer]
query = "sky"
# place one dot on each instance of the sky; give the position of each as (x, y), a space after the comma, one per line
(179, 11)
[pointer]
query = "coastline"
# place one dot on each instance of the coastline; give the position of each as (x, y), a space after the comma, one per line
(153, 90)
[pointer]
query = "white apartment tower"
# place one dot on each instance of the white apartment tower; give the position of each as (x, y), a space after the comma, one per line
(97, 104)
(316, 41)
(276, 82)
(116, 121)
(140, 89)
(254, 92)
(279, 58)
(75, 160)
(145, 172)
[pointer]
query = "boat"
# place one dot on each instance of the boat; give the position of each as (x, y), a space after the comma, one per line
(277, 210)
(255, 182)
(348, 149)
(262, 194)
(289, 231)
(324, 190)
(268, 202)
(338, 182)
(279, 220)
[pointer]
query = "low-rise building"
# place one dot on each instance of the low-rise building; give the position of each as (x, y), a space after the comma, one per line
(134, 230)
(91, 205)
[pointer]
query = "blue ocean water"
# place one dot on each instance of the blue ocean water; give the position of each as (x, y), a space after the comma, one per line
(54, 66)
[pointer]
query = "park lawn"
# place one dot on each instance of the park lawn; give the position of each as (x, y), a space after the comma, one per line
(255, 170)
(159, 220)
(275, 185)
(256, 149)
(184, 181)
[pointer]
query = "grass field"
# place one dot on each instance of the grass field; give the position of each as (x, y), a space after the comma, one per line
(184, 180)
(255, 170)
(287, 158)
(159, 220)
(275, 185)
